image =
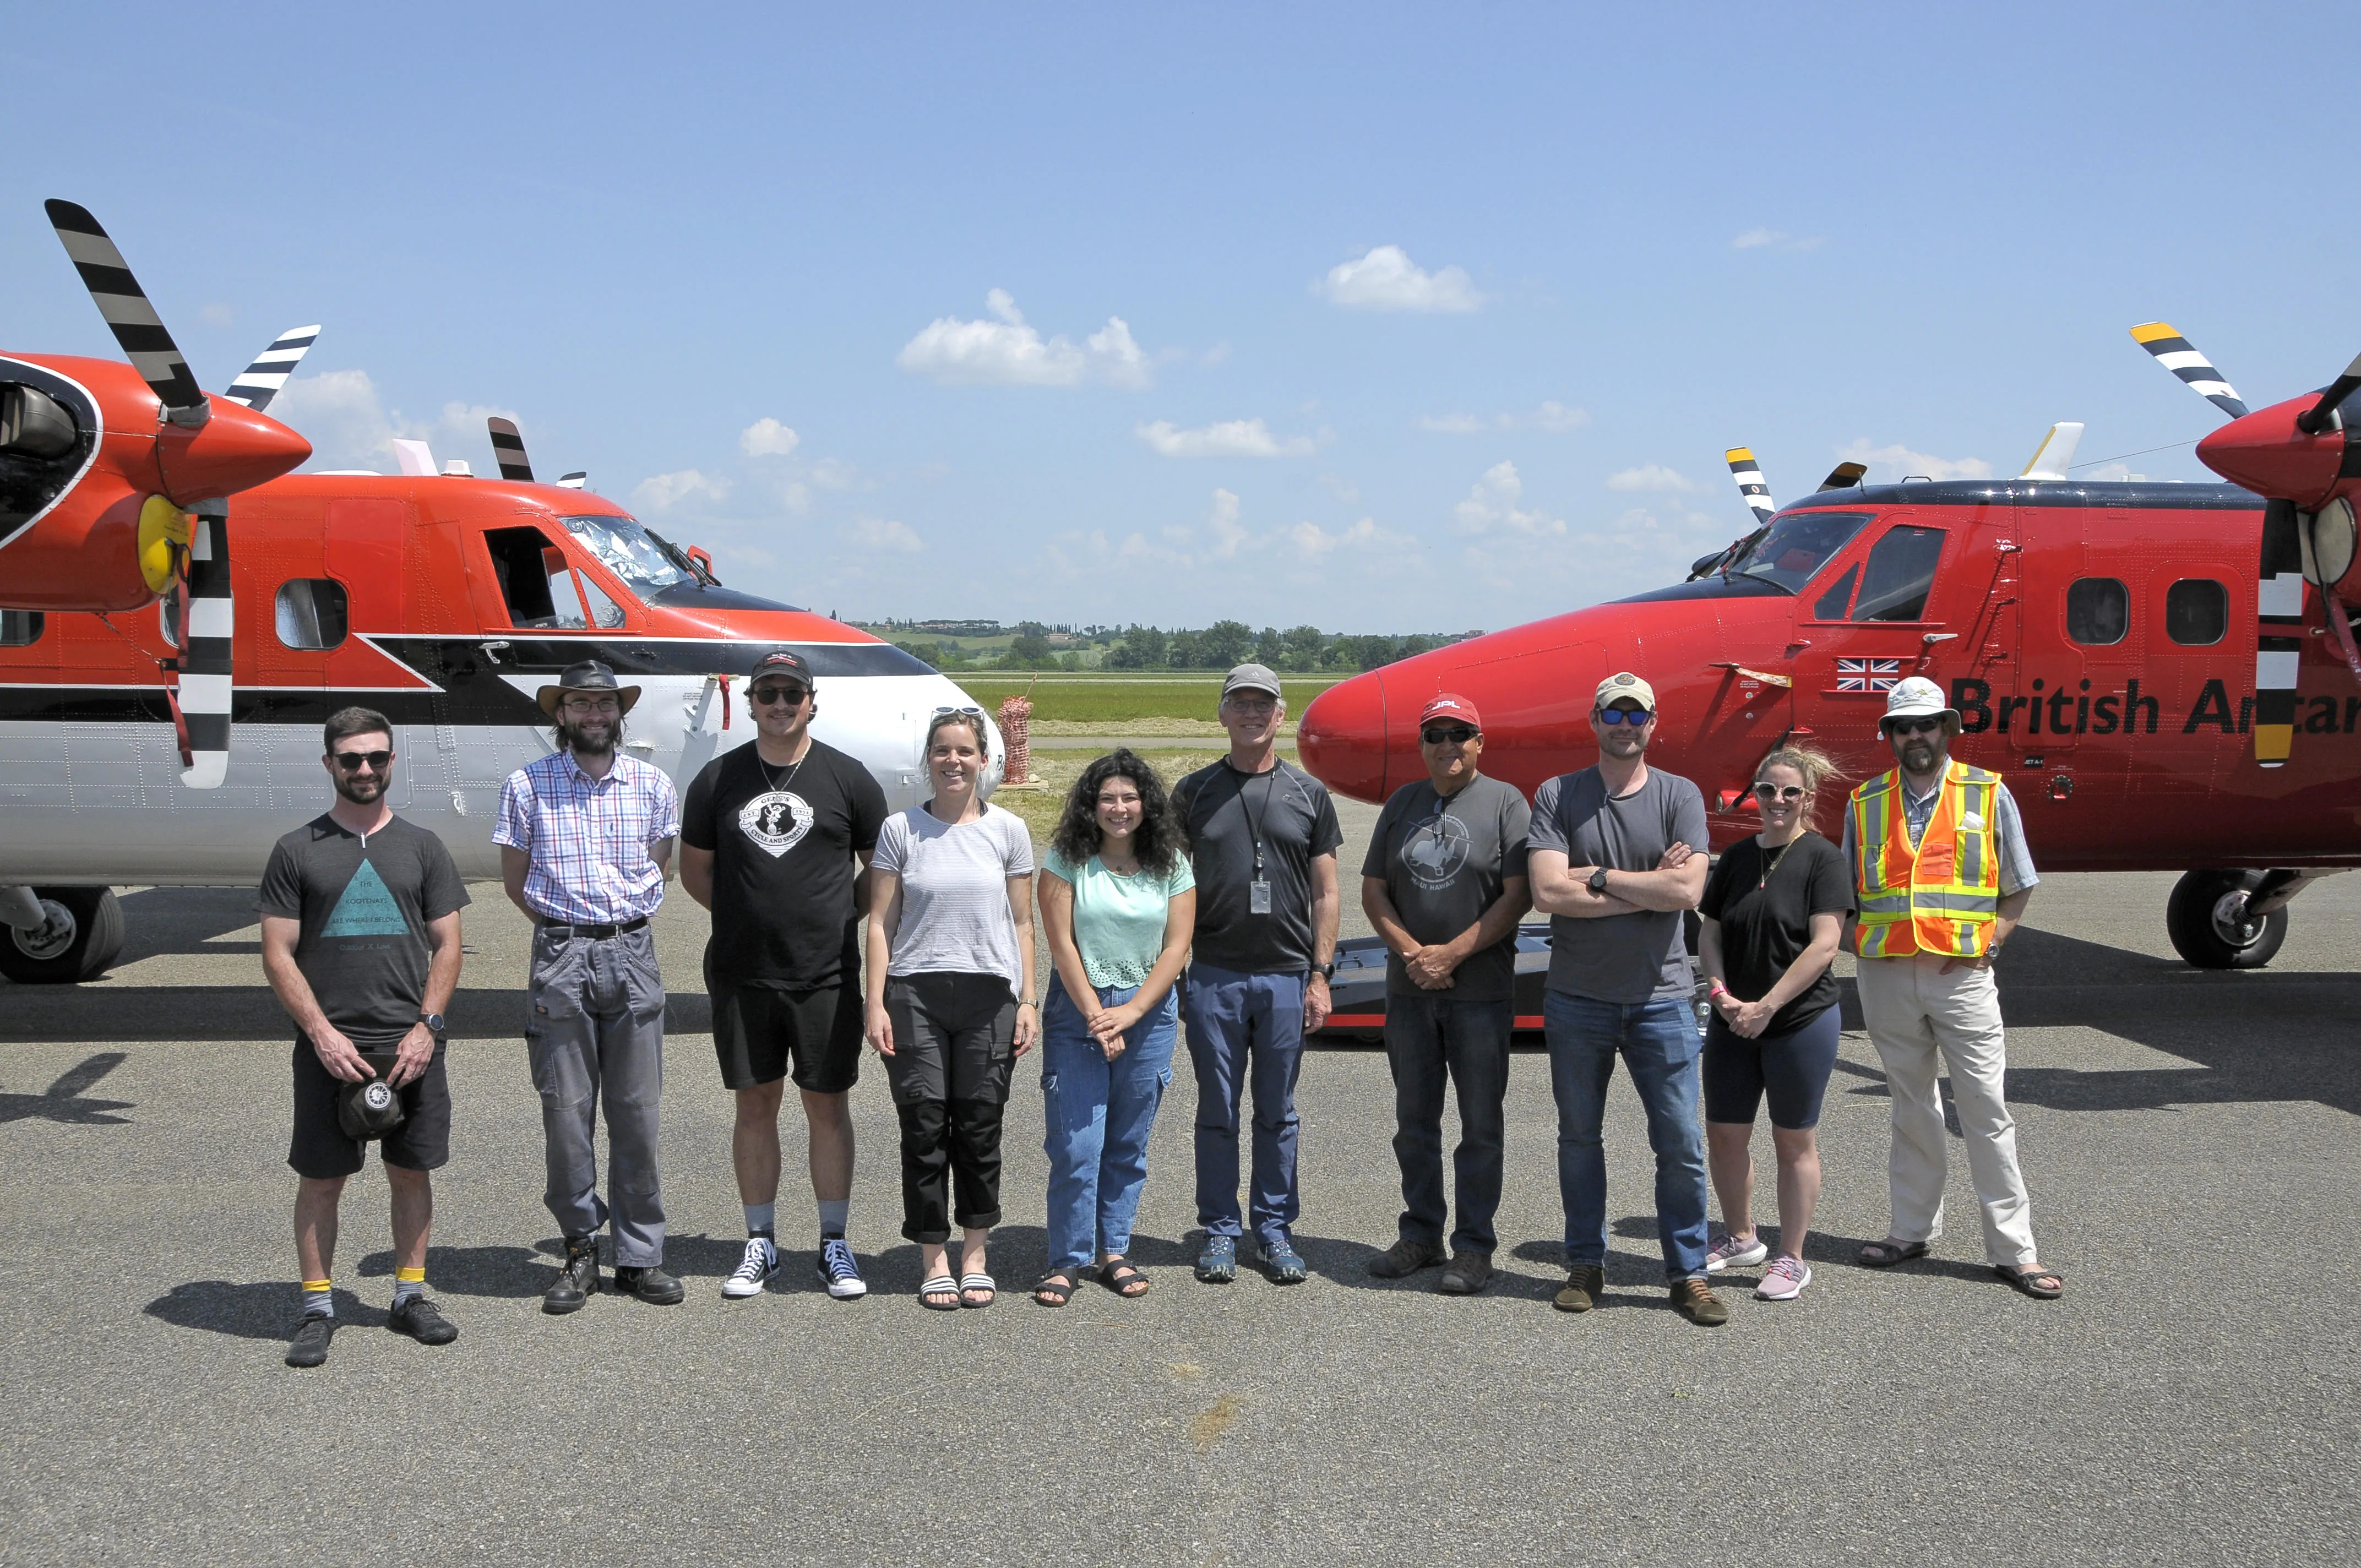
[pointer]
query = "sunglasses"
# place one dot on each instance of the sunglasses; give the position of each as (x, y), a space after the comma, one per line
(1456, 734)
(1625, 716)
(792, 695)
(1778, 792)
(1913, 726)
(353, 762)
(940, 711)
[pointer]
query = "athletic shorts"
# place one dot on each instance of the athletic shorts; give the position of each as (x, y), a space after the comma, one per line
(757, 1032)
(1791, 1069)
(322, 1151)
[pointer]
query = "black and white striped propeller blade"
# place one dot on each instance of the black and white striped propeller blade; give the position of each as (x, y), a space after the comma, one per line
(2180, 356)
(260, 381)
(124, 304)
(508, 449)
(1751, 487)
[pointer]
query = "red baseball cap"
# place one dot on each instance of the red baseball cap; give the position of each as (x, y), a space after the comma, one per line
(1450, 705)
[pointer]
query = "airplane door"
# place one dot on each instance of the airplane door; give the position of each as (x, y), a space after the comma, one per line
(2036, 706)
(1885, 608)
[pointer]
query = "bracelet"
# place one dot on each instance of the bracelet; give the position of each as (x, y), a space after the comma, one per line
(1028, 1001)
(1716, 989)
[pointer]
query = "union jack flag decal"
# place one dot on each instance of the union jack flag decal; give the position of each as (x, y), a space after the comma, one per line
(1868, 674)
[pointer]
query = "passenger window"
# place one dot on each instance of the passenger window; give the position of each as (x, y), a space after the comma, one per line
(1832, 603)
(2196, 612)
(604, 611)
(2098, 611)
(311, 613)
(21, 628)
(1900, 574)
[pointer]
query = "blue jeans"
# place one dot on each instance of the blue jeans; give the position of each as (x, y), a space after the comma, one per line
(1658, 1041)
(1245, 1028)
(1099, 1114)
(1433, 1039)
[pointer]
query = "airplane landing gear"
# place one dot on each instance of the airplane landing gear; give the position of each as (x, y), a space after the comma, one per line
(2212, 921)
(80, 932)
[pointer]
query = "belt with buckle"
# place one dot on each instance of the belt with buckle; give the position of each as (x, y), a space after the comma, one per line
(596, 933)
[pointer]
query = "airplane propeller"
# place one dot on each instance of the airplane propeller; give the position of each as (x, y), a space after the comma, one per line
(184, 536)
(2295, 455)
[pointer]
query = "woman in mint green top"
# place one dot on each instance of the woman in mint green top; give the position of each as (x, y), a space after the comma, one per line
(1118, 902)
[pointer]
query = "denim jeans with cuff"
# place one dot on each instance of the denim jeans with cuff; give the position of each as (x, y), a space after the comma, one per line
(1099, 1114)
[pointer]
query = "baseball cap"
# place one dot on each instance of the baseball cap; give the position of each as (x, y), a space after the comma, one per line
(1625, 685)
(1251, 678)
(1449, 704)
(781, 662)
(1916, 696)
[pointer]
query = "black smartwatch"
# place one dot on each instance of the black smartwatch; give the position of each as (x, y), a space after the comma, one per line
(1326, 970)
(433, 1022)
(1598, 882)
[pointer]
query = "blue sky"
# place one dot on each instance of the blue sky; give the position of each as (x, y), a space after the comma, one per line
(1382, 318)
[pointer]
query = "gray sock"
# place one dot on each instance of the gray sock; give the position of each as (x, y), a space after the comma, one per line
(762, 1219)
(320, 1303)
(833, 1211)
(407, 1289)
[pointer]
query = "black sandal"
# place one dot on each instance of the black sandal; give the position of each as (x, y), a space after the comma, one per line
(1889, 1252)
(1122, 1277)
(2042, 1284)
(1054, 1288)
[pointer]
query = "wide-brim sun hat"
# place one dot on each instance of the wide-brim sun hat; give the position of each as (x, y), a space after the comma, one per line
(590, 676)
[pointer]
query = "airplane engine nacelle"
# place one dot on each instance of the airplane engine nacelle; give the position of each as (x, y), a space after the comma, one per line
(2332, 548)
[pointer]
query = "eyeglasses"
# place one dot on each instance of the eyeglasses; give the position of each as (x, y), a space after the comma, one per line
(1456, 734)
(1913, 726)
(1778, 792)
(353, 762)
(591, 705)
(1625, 716)
(792, 695)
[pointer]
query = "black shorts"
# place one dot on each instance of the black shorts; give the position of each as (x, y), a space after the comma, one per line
(320, 1150)
(758, 1031)
(1791, 1070)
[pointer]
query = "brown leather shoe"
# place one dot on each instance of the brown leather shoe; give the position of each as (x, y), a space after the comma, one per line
(1470, 1271)
(1585, 1284)
(1695, 1300)
(1405, 1258)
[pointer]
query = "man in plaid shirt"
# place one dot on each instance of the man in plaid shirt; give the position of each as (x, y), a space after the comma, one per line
(585, 836)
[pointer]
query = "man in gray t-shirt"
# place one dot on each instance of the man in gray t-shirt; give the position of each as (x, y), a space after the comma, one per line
(1444, 885)
(1616, 854)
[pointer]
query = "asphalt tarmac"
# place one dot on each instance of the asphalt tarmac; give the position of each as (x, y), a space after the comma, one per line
(2193, 1143)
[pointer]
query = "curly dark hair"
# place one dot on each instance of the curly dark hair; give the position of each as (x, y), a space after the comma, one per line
(1158, 841)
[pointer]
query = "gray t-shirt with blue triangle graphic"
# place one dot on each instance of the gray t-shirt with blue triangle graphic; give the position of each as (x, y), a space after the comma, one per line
(364, 907)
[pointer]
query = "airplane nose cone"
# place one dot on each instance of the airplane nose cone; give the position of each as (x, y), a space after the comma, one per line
(1342, 737)
(235, 450)
(2269, 454)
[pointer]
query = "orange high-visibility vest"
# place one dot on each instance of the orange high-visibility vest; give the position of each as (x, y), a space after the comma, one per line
(1940, 895)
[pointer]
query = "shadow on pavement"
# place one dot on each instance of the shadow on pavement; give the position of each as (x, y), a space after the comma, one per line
(511, 1272)
(64, 1100)
(260, 1310)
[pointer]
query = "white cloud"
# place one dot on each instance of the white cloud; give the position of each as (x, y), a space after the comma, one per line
(1492, 507)
(1648, 477)
(883, 536)
(1775, 239)
(1553, 418)
(1316, 543)
(1232, 438)
(662, 493)
(1222, 524)
(1386, 279)
(345, 417)
(1887, 464)
(1557, 419)
(768, 438)
(1452, 424)
(1008, 352)
(1343, 488)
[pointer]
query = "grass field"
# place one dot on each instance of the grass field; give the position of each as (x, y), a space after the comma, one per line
(1109, 702)
(1040, 807)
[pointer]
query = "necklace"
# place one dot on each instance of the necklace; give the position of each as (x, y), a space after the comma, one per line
(776, 785)
(1770, 863)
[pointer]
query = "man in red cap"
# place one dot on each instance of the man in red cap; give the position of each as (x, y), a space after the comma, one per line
(1444, 884)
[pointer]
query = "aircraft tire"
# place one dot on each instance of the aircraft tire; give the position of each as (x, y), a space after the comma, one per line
(84, 935)
(2201, 917)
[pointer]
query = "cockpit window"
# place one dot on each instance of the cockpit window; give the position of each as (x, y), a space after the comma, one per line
(1797, 545)
(646, 565)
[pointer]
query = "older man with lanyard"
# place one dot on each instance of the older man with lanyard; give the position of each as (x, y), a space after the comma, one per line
(1940, 868)
(585, 834)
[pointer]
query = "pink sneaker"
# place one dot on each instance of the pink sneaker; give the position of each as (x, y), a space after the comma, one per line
(1785, 1280)
(1732, 1252)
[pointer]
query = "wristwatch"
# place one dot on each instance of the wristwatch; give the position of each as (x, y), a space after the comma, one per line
(1326, 970)
(433, 1022)
(1598, 882)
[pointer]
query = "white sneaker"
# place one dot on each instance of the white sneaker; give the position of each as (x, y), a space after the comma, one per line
(837, 1268)
(753, 1271)
(1731, 1252)
(1785, 1280)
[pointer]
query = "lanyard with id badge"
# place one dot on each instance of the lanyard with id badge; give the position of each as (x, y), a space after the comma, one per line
(1259, 890)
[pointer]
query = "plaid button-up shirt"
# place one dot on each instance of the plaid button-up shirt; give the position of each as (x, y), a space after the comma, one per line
(589, 837)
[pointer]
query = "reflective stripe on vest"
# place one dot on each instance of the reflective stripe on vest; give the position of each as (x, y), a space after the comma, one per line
(1940, 895)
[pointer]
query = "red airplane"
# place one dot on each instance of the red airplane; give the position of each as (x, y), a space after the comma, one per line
(2101, 643)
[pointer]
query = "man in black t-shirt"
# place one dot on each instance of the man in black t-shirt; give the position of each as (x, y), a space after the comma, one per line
(769, 834)
(1262, 841)
(360, 938)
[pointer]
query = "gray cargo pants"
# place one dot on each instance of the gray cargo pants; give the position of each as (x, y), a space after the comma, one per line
(596, 1028)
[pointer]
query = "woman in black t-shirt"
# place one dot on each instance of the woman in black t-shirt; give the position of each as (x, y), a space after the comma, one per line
(1774, 911)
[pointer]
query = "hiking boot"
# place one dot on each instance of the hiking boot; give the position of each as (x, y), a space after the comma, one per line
(422, 1320)
(1218, 1264)
(1585, 1284)
(1470, 1271)
(1403, 1258)
(1282, 1262)
(309, 1346)
(1695, 1300)
(1736, 1252)
(578, 1278)
(650, 1284)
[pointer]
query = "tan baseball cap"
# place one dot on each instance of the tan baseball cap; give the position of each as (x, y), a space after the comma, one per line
(1624, 685)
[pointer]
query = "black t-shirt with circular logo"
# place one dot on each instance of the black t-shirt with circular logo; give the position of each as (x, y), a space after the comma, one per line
(783, 841)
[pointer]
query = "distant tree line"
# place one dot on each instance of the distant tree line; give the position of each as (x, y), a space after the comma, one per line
(1301, 649)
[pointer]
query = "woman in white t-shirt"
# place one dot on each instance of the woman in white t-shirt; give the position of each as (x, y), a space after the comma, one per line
(1118, 902)
(951, 999)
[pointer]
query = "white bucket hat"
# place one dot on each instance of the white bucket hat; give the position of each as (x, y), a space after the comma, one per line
(1916, 696)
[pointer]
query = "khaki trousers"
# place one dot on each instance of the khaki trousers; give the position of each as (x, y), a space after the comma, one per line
(1921, 1020)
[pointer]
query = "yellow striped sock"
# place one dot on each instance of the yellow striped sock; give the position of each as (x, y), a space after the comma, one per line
(408, 1285)
(409, 1275)
(318, 1301)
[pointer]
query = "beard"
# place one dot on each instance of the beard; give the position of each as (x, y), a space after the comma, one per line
(361, 789)
(592, 737)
